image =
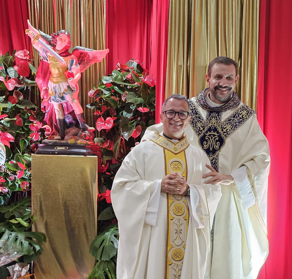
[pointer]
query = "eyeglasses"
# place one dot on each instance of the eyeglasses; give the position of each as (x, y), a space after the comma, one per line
(170, 114)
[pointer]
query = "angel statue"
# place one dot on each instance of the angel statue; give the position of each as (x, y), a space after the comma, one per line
(58, 75)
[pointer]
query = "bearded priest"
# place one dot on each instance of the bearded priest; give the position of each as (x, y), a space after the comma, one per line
(164, 208)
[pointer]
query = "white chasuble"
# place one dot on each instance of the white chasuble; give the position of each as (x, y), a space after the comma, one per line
(232, 139)
(177, 244)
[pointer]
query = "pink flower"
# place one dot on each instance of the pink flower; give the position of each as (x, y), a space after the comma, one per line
(106, 196)
(143, 109)
(24, 186)
(20, 174)
(35, 126)
(21, 63)
(6, 138)
(11, 83)
(35, 136)
(124, 96)
(21, 166)
(11, 177)
(4, 190)
(2, 179)
(104, 124)
(2, 116)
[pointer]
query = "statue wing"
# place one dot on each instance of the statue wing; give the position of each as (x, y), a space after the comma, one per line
(87, 57)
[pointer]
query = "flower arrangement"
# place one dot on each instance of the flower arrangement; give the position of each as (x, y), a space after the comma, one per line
(124, 105)
(20, 133)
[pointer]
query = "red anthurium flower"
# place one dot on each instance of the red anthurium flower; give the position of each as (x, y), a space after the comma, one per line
(34, 147)
(3, 116)
(20, 174)
(22, 68)
(2, 179)
(129, 76)
(92, 92)
(137, 132)
(103, 168)
(112, 111)
(3, 190)
(108, 85)
(19, 121)
(108, 144)
(12, 100)
(17, 95)
(35, 136)
(104, 124)
(5, 138)
(35, 126)
(143, 109)
(11, 83)
(22, 166)
(149, 81)
(21, 55)
(24, 186)
(104, 108)
(97, 113)
(1, 68)
(106, 196)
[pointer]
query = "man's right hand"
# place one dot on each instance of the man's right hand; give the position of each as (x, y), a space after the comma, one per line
(174, 184)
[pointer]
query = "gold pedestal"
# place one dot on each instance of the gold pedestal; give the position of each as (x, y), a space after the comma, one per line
(64, 195)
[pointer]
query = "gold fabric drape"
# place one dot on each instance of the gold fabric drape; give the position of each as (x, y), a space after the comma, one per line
(85, 21)
(201, 30)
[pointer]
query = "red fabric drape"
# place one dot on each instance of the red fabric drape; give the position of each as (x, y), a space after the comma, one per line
(159, 42)
(275, 117)
(14, 16)
(128, 32)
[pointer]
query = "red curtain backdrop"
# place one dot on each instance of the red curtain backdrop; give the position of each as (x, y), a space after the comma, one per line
(159, 42)
(14, 14)
(275, 117)
(128, 32)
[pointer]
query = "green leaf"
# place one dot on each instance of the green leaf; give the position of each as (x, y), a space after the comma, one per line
(12, 166)
(106, 214)
(132, 98)
(33, 69)
(17, 209)
(126, 127)
(116, 146)
(107, 154)
(105, 245)
(25, 103)
(112, 102)
(116, 88)
(106, 79)
(11, 72)
(103, 270)
(23, 144)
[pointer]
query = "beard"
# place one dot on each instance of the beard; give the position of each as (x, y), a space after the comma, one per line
(222, 99)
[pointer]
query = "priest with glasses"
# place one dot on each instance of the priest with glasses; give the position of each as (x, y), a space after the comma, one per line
(163, 206)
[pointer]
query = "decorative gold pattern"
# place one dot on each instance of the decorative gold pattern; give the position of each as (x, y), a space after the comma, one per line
(167, 144)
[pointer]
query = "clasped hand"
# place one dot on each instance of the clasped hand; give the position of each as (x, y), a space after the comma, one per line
(174, 184)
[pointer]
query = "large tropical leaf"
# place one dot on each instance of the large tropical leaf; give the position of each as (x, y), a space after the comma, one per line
(19, 209)
(103, 268)
(24, 243)
(105, 245)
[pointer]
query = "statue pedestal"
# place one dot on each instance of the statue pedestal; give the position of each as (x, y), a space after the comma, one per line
(64, 200)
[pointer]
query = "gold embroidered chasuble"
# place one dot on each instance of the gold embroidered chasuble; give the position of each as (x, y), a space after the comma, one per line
(177, 243)
(178, 211)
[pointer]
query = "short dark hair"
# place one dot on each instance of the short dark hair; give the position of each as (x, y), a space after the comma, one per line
(222, 60)
(178, 97)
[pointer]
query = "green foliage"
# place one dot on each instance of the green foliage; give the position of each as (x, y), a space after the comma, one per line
(20, 132)
(124, 105)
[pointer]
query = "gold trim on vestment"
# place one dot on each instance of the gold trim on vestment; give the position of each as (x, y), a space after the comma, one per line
(177, 206)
